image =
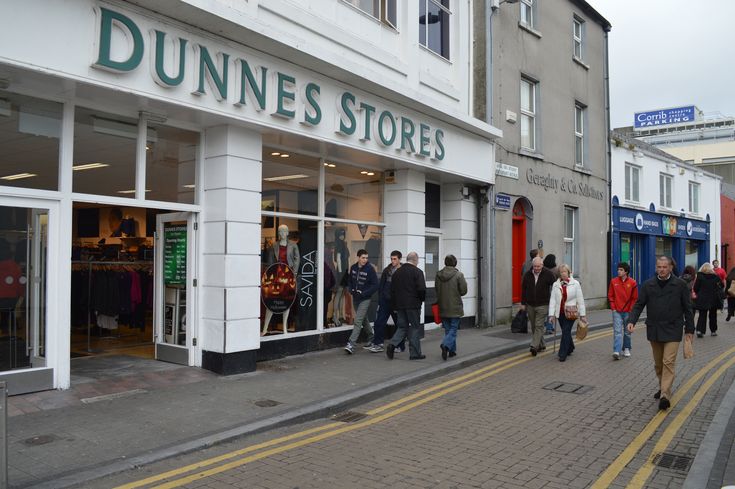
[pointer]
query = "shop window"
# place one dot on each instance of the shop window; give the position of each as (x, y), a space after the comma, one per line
(528, 13)
(694, 197)
(171, 156)
(290, 183)
(432, 208)
(632, 182)
(664, 246)
(353, 193)
(665, 184)
(570, 236)
(104, 154)
(30, 130)
(528, 114)
(434, 19)
(383, 10)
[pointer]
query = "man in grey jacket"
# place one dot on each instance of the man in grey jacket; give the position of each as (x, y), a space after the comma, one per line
(668, 302)
(450, 286)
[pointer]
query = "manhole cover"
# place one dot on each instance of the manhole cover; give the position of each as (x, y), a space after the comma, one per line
(40, 440)
(672, 461)
(266, 403)
(349, 417)
(568, 387)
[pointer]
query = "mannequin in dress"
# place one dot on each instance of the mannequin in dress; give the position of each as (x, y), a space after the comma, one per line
(341, 267)
(283, 251)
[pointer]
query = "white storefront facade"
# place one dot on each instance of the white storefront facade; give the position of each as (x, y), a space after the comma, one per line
(147, 167)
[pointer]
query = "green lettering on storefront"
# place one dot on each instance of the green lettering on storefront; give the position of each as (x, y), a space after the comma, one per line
(104, 58)
(161, 75)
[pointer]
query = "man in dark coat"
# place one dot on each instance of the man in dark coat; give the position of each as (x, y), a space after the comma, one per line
(362, 283)
(669, 306)
(408, 291)
(535, 296)
(385, 309)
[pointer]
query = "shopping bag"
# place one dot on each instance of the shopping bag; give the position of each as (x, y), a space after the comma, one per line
(520, 323)
(435, 312)
(582, 328)
(688, 349)
(549, 327)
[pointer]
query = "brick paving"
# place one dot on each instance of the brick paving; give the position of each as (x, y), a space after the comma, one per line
(505, 431)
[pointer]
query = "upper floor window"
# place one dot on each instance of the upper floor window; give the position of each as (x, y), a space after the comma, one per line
(694, 197)
(434, 26)
(632, 182)
(527, 13)
(665, 184)
(579, 134)
(383, 10)
(578, 34)
(570, 235)
(528, 114)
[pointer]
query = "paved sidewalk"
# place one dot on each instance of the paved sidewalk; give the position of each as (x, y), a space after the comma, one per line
(59, 439)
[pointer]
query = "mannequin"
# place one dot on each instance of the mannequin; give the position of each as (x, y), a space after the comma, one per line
(283, 251)
(341, 267)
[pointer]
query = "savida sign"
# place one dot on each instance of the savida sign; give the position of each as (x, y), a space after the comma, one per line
(274, 92)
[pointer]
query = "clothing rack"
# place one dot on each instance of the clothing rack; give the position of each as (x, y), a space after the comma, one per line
(102, 265)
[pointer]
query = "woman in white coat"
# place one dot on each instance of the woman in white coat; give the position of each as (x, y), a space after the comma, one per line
(566, 304)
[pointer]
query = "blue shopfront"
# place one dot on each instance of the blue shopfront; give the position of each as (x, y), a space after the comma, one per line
(638, 237)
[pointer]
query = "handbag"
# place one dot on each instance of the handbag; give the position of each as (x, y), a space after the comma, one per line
(435, 312)
(519, 323)
(582, 328)
(571, 312)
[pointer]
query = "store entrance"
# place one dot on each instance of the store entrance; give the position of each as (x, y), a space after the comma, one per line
(116, 304)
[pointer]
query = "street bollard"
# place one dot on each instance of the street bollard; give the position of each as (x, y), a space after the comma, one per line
(3, 436)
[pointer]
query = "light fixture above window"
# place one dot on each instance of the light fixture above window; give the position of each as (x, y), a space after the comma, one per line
(18, 176)
(285, 155)
(285, 177)
(88, 166)
(275, 153)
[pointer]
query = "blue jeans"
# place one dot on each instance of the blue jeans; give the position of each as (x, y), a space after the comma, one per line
(566, 346)
(621, 336)
(381, 320)
(408, 326)
(450, 333)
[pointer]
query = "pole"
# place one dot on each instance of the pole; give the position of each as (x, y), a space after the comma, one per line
(3, 436)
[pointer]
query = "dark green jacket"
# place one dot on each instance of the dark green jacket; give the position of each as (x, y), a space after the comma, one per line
(450, 286)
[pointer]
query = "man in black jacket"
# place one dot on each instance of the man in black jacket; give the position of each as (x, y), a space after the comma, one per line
(408, 291)
(535, 297)
(669, 307)
(385, 309)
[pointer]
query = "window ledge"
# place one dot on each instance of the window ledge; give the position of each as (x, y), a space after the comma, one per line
(435, 54)
(581, 169)
(581, 63)
(531, 154)
(529, 29)
(636, 205)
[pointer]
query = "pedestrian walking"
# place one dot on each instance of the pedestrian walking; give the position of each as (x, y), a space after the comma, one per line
(550, 265)
(622, 294)
(384, 302)
(669, 307)
(566, 305)
(408, 291)
(362, 284)
(528, 263)
(450, 286)
(720, 272)
(730, 295)
(535, 294)
(710, 293)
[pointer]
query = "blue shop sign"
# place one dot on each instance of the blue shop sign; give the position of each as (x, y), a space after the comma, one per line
(663, 117)
(633, 221)
(502, 201)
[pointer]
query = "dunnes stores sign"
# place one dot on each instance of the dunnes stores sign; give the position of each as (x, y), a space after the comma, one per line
(123, 46)
(549, 182)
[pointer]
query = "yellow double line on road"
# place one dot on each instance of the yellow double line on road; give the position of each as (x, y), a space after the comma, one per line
(639, 479)
(313, 435)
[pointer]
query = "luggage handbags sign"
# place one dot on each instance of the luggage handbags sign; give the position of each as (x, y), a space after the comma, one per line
(174, 254)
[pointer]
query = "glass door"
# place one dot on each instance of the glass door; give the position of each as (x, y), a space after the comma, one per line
(36, 286)
(174, 287)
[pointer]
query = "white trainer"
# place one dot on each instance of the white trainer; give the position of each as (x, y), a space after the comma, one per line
(616, 355)
(626, 352)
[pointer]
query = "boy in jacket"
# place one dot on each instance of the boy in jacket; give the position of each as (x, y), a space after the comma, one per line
(450, 286)
(362, 284)
(384, 303)
(622, 294)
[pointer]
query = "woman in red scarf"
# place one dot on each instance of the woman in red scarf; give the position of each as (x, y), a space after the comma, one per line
(566, 304)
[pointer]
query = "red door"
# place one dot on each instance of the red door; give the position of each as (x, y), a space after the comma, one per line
(519, 248)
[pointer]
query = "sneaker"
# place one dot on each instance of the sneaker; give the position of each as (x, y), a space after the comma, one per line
(714, 333)
(376, 348)
(350, 348)
(626, 352)
(700, 335)
(616, 355)
(367, 346)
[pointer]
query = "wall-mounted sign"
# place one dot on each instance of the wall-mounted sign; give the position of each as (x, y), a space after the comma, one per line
(504, 170)
(664, 117)
(502, 201)
(569, 185)
(630, 220)
(174, 254)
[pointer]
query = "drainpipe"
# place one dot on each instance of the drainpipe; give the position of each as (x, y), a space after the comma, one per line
(608, 159)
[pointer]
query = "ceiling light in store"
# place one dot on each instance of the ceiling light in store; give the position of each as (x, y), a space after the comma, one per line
(285, 155)
(190, 186)
(330, 165)
(370, 173)
(285, 177)
(89, 166)
(128, 191)
(363, 172)
(18, 176)
(275, 153)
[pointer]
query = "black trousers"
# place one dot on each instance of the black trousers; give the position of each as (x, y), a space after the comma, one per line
(702, 320)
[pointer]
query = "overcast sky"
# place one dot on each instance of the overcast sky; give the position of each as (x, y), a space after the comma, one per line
(670, 53)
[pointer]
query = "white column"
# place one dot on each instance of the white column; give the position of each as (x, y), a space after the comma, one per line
(405, 215)
(230, 306)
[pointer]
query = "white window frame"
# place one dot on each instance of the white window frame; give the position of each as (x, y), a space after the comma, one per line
(632, 192)
(529, 114)
(695, 192)
(527, 13)
(665, 186)
(571, 240)
(383, 11)
(448, 11)
(579, 134)
(578, 38)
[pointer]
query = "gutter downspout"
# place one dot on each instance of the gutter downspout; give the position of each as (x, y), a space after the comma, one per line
(490, 195)
(608, 159)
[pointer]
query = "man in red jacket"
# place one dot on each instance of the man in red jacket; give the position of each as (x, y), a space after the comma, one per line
(622, 294)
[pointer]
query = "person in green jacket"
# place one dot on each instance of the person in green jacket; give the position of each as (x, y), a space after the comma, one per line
(450, 287)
